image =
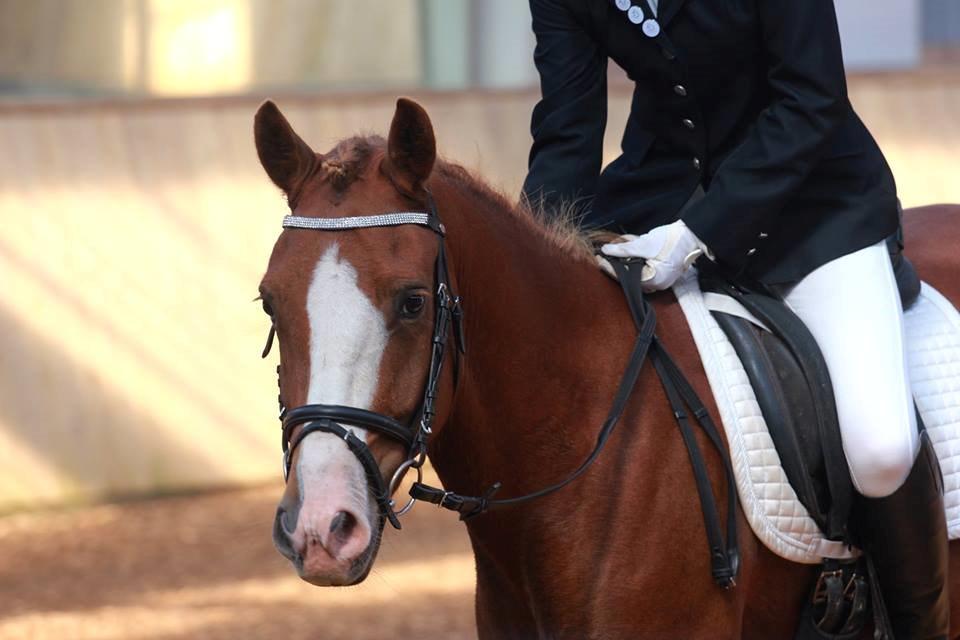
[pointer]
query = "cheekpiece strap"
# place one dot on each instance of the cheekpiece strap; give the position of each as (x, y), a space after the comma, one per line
(394, 219)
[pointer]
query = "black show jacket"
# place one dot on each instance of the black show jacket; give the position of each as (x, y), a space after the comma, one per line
(747, 98)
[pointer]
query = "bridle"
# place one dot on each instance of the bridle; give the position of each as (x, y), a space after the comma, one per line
(327, 418)
(324, 418)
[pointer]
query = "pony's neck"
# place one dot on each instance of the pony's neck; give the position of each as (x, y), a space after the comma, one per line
(547, 336)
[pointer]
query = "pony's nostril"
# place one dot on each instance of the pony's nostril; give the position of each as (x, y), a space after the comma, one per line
(288, 512)
(286, 524)
(342, 525)
(281, 537)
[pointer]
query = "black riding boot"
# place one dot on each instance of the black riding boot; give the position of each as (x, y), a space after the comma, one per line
(906, 534)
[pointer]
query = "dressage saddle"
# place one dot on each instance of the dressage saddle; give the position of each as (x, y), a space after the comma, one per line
(792, 386)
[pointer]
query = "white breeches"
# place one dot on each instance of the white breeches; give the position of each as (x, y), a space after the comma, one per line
(852, 307)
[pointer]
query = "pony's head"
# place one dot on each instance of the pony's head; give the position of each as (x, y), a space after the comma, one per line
(353, 311)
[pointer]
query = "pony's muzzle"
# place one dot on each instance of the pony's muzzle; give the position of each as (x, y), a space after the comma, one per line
(324, 539)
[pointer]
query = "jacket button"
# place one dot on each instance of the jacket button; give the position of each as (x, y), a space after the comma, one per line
(623, 5)
(688, 123)
(696, 163)
(651, 28)
(763, 236)
(680, 90)
(751, 252)
(635, 15)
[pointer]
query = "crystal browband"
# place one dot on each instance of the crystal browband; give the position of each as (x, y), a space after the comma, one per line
(358, 222)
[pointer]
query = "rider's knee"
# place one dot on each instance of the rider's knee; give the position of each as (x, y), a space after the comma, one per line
(879, 466)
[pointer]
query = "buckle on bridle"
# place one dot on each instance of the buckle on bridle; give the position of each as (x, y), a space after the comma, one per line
(820, 589)
(424, 427)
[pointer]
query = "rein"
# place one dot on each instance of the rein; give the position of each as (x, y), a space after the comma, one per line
(331, 418)
(724, 550)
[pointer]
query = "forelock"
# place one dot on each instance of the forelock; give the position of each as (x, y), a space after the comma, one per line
(348, 161)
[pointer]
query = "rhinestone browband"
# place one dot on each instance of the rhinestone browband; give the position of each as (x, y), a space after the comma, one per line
(358, 222)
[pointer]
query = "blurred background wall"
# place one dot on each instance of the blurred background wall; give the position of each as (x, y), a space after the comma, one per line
(136, 221)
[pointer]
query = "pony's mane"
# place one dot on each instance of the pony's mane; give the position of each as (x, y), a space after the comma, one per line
(559, 226)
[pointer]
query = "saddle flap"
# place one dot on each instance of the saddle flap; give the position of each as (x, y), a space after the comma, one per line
(785, 401)
(792, 386)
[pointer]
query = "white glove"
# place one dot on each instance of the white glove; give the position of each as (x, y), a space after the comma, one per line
(669, 251)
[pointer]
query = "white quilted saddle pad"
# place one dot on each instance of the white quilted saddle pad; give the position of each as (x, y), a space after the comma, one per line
(770, 503)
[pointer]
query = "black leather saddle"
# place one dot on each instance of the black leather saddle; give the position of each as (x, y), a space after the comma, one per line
(792, 386)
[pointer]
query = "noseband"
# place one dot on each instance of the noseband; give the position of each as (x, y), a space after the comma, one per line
(328, 418)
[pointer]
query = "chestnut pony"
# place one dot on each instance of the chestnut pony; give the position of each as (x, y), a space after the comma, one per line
(619, 553)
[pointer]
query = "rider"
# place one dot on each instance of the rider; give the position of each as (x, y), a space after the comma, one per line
(742, 145)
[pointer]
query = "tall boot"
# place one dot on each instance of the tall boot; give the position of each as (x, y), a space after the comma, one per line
(906, 534)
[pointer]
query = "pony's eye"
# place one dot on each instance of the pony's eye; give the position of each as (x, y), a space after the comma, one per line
(412, 305)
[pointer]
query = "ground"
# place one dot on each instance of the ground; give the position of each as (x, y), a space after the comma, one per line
(204, 567)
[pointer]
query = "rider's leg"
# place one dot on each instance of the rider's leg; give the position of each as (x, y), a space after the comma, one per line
(852, 308)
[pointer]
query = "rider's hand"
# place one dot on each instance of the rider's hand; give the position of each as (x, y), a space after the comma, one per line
(668, 250)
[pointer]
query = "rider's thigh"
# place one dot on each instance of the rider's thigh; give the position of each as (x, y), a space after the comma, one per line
(852, 307)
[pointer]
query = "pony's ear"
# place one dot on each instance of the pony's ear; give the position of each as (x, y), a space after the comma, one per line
(411, 147)
(286, 158)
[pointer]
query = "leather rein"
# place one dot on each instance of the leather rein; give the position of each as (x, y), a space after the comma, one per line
(414, 435)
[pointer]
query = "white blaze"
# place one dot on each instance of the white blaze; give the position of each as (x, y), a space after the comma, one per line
(348, 336)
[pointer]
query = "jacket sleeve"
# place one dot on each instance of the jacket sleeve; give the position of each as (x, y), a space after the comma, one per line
(809, 102)
(568, 123)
